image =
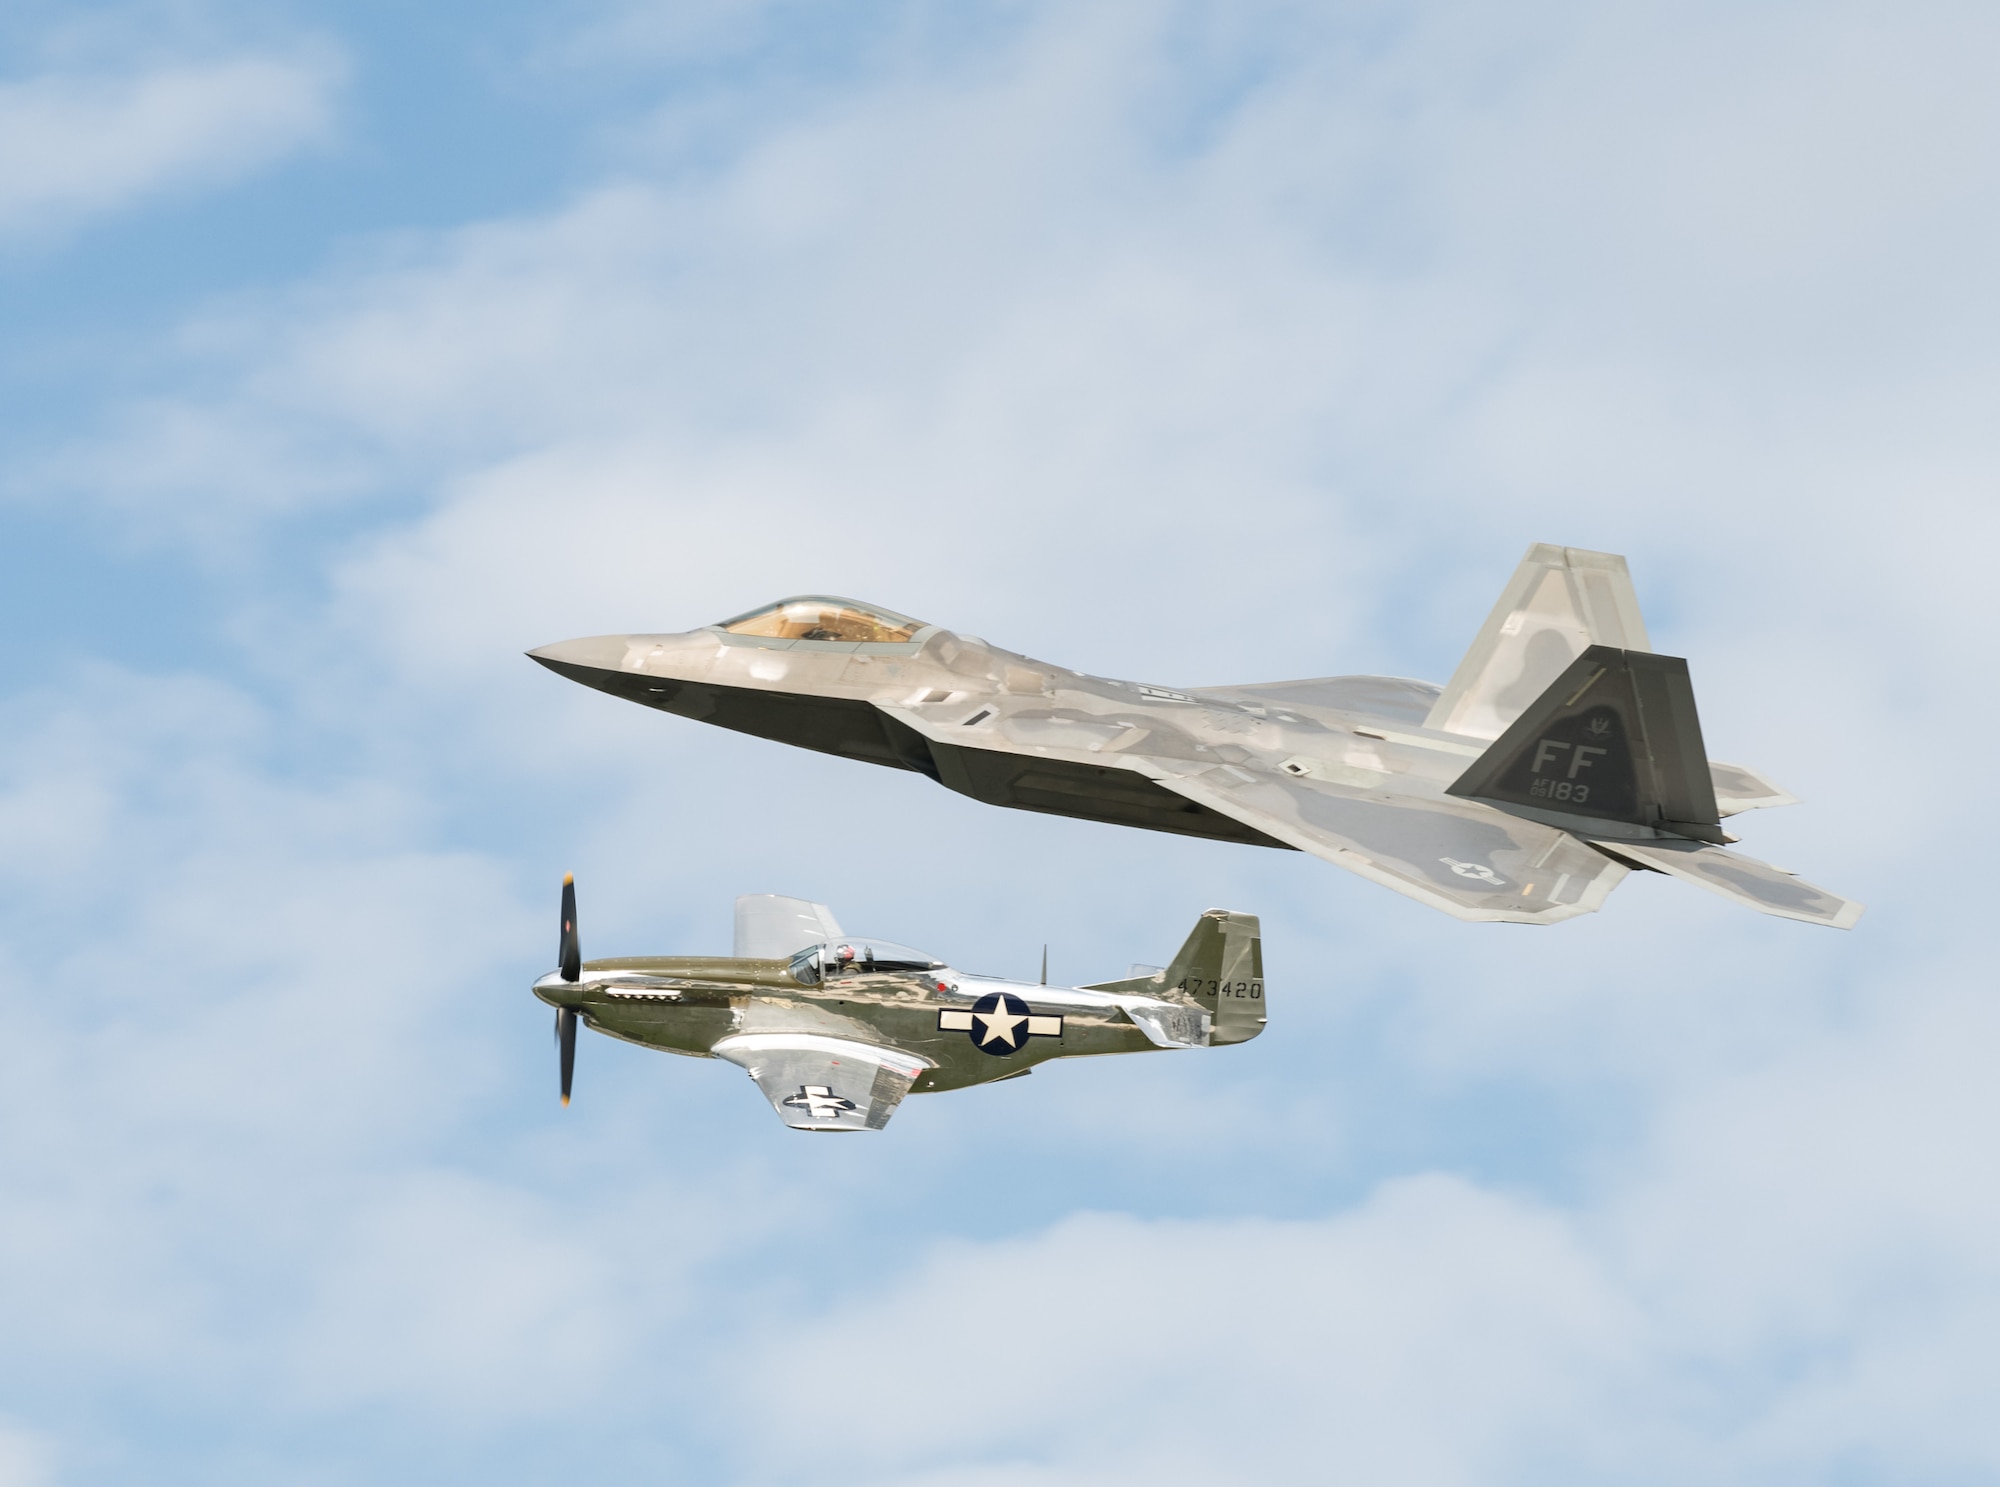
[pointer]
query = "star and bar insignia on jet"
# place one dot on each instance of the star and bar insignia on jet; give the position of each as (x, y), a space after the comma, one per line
(999, 1022)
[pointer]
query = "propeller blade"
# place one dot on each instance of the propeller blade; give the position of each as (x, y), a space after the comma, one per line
(566, 1036)
(570, 953)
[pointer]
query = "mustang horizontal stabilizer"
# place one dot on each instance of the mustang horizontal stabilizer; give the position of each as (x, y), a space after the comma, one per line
(818, 1083)
(1763, 887)
(1559, 601)
(1616, 738)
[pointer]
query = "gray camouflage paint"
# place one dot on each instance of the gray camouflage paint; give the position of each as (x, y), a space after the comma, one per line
(1357, 770)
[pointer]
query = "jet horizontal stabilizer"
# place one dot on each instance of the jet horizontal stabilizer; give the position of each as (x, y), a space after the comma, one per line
(1740, 788)
(1768, 889)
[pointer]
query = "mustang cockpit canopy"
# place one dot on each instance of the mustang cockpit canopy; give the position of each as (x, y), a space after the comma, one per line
(825, 617)
(836, 958)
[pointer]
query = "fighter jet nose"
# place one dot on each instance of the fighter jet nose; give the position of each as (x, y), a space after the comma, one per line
(592, 653)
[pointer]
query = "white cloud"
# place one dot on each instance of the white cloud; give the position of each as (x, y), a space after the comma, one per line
(1167, 345)
(76, 145)
(1794, 1279)
(26, 1458)
(1435, 1334)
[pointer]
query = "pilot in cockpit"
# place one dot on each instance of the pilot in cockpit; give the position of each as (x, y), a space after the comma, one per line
(846, 962)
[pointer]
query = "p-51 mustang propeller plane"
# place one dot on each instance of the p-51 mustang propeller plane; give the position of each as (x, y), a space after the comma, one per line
(836, 1030)
(1562, 754)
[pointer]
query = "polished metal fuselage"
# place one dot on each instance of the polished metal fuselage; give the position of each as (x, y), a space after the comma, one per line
(688, 1004)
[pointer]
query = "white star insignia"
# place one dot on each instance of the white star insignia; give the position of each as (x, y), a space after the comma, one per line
(1000, 1025)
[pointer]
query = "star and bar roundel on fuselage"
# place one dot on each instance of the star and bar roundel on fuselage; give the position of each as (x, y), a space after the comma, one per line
(999, 1023)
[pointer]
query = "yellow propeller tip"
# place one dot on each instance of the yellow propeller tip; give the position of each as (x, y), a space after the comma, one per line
(569, 879)
(565, 1100)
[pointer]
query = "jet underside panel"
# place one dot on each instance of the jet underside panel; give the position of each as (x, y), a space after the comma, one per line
(831, 725)
(1115, 794)
(855, 729)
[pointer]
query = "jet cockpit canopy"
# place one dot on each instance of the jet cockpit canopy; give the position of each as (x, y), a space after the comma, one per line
(825, 617)
(836, 958)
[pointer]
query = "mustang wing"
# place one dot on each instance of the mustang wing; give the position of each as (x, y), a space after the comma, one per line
(1467, 859)
(817, 1083)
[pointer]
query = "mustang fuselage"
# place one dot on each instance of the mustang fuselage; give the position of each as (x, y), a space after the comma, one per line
(684, 1004)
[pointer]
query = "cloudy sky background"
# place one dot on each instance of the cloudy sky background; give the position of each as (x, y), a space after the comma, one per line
(348, 352)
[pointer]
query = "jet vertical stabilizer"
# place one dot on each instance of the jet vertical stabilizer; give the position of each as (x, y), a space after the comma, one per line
(1616, 741)
(1614, 738)
(1560, 600)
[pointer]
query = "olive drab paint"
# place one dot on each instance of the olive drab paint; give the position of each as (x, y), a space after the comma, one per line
(837, 1029)
(1221, 970)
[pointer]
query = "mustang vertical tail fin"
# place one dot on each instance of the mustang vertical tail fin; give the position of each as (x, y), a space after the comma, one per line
(1221, 969)
(1615, 738)
(1560, 600)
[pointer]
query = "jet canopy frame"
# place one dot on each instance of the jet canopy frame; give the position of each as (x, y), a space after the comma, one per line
(827, 618)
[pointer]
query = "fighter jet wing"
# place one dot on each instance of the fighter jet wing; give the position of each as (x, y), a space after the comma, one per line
(817, 1083)
(1468, 860)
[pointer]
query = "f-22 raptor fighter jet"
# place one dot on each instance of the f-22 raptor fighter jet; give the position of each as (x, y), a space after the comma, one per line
(1562, 753)
(836, 1030)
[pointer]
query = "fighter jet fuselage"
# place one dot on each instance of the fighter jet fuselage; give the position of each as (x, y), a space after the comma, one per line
(955, 709)
(1562, 754)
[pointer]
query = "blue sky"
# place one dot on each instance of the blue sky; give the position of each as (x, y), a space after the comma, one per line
(348, 352)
